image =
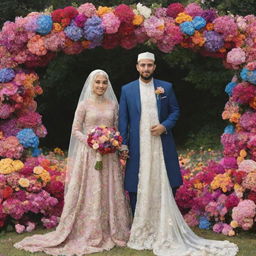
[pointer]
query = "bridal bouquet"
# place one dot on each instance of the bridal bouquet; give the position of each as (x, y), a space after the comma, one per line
(104, 140)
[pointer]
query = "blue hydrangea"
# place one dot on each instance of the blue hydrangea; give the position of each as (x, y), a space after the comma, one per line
(36, 152)
(229, 129)
(6, 75)
(243, 74)
(229, 88)
(44, 24)
(198, 22)
(93, 29)
(204, 223)
(187, 28)
(28, 138)
(73, 32)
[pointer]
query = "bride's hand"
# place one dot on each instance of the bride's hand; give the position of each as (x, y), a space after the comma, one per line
(124, 154)
(157, 130)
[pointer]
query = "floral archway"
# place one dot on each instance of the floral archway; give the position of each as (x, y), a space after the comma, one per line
(222, 195)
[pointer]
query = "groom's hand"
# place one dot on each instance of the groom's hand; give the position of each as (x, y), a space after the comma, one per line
(157, 130)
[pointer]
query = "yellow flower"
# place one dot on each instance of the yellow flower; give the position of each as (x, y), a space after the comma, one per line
(182, 17)
(7, 165)
(103, 10)
(23, 182)
(38, 170)
(137, 20)
(45, 176)
(115, 143)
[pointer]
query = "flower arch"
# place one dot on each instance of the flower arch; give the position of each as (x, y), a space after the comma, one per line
(216, 194)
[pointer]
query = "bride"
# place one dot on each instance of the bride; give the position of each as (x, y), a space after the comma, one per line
(96, 216)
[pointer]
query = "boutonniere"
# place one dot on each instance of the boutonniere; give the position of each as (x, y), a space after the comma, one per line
(159, 91)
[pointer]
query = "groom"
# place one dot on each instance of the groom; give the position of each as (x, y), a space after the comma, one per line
(129, 125)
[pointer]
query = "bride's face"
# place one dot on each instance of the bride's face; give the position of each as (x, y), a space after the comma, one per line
(100, 85)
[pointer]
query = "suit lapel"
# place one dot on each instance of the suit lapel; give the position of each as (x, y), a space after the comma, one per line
(137, 95)
(158, 101)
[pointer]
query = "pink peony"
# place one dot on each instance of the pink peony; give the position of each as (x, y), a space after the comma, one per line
(19, 228)
(243, 93)
(10, 147)
(110, 22)
(30, 226)
(154, 27)
(88, 9)
(226, 25)
(193, 10)
(236, 56)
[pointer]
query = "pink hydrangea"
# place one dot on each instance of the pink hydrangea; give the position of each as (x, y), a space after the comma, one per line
(226, 25)
(243, 93)
(193, 9)
(154, 27)
(124, 13)
(14, 208)
(244, 213)
(9, 127)
(30, 226)
(55, 41)
(40, 131)
(141, 34)
(50, 222)
(248, 121)
(236, 56)
(88, 9)
(6, 110)
(160, 12)
(110, 22)
(191, 218)
(30, 120)
(218, 227)
(249, 181)
(10, 147)
(227, 230)
(19, 228)
(247, 166)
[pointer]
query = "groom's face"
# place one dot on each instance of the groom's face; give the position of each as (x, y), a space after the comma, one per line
(146, 68)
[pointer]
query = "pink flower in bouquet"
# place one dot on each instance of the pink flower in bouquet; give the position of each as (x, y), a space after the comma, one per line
(232, 201)
(174, 9)
(154, 27)
(21, 56)
(243, 93)
(218, 227)
(193, 9)
(88, 9)
(244, 214)
(50, 222)
(6, 110)
(191, 218)
(160, 12)
(141, 35)
(40, 131)
(10, 147)
(8, 89)
(55, 41)
(19, 228)
(227, 26)
(30, 226)
(251, 65)
(110, 22)
(72, 47)
(241, 23)
(229, 162)
(185, 197)
(30, 120)
(13, 207)
(236, 56)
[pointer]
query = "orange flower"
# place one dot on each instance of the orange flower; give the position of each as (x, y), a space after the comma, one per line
(103, 10)
(57, 27)
(210, 26)
(137, 20)
(198, 39)
(85, 44)
(235, 117)
(252, 103)
(222, 50)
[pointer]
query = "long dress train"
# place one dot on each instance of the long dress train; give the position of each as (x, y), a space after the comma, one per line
(158, 224)
(96, 216)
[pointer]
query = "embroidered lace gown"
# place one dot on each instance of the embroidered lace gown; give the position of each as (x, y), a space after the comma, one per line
(158, 224)
(96, 216)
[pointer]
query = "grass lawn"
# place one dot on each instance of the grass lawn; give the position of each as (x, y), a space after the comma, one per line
(245, 241)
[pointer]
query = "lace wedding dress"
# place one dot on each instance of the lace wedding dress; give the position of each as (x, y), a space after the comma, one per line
(96, 216)
(158, 224)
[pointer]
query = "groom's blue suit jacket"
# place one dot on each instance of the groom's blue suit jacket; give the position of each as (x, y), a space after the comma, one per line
(129, 127)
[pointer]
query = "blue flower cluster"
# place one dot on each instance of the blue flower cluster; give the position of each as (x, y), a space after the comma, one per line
(248, 75)
(36, 152)
(93, 29)
(189, 27)
(204, 223)
(28, 138)
(73, 32)
(229, 129)
(214, 41)
(6, 75)
(44, 24)
(229, 88)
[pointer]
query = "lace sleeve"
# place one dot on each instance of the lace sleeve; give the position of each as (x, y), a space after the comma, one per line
(77, 128)
(116, 109)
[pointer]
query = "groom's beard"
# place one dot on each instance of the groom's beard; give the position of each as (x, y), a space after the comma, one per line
(147, 77)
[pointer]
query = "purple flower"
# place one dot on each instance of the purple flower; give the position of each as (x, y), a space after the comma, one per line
(73, 32)
(93, 29)
(214, 41)
(209, 15)
(6, 75)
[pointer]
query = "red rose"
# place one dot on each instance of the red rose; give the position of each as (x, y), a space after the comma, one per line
(174, 9)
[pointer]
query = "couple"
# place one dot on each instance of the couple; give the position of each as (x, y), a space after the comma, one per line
(96, 215)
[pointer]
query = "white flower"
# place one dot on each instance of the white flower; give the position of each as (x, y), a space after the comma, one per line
(144, 10)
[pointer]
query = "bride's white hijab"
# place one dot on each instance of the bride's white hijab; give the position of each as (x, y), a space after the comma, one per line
(75, 145)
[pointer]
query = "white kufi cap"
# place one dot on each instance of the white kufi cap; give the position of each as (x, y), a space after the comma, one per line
(146, 55)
